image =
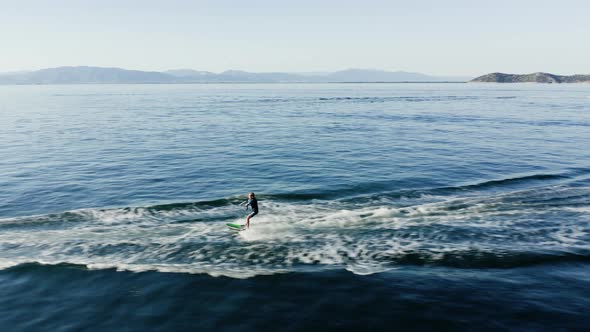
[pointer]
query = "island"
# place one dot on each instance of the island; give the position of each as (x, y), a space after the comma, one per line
(530, 78)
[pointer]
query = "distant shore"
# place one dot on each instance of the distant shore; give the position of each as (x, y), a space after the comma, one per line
(101, 75)
(531, 78)
(189, 83)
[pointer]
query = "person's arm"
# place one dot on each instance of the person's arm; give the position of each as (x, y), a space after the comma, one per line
(247, 203)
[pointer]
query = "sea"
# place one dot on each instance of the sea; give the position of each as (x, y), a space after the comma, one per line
(383, 207)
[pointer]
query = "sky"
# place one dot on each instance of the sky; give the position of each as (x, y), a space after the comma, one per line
(452, 37)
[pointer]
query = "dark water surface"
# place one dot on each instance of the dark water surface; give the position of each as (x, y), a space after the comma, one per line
(383, 206)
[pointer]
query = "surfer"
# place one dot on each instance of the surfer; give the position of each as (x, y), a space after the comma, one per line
(253, 203)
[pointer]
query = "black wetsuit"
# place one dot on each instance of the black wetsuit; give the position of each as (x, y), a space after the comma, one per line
(253, 203)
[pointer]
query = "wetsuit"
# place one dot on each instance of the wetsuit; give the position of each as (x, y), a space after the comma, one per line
(253, 203)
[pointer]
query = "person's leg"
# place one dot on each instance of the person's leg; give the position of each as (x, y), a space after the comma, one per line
(248, 218)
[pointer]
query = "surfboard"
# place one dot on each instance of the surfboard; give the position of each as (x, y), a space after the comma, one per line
(236, 227)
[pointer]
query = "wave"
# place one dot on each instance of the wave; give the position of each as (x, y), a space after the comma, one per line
(521, 182)
(461, 259)
(511, 181)
(398, 98)
(506, 223)
(363, 189)
(354, 99)
(360, 193)
(524, 189)
(534, 188)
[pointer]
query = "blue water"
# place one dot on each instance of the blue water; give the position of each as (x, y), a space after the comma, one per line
(382, 206)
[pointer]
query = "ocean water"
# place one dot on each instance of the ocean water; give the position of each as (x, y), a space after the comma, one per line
(382, 206)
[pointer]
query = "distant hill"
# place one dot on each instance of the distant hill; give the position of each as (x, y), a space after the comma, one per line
(531, 78)
(84, 74)
(100, 75)
(243, 76)
(197, 76)
(372, 75)
(348, 75)
(189, 73)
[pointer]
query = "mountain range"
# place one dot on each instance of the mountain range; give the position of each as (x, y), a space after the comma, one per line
(102, 75)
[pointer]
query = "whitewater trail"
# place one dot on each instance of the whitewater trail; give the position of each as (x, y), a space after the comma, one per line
(492, 224)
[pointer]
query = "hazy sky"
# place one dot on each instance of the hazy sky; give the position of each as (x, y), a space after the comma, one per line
(452, 37)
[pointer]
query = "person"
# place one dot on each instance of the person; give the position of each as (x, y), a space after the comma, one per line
(252, 203)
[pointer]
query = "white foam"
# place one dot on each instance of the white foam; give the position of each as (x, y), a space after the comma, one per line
(285, 237)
